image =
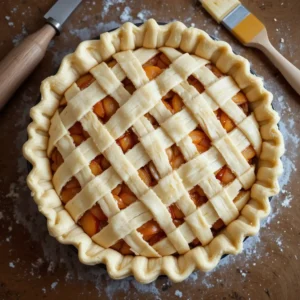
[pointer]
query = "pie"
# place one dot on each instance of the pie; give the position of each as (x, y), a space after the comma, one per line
(154, 151)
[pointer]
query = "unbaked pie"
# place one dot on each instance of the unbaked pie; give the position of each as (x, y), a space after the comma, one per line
(154, 151)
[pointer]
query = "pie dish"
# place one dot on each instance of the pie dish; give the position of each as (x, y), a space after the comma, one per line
(154, 151)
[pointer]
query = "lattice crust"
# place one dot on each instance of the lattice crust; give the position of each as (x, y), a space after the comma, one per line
(131, 47)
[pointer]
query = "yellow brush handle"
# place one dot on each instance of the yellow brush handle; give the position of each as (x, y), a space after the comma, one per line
(248, 29)
(287, 69)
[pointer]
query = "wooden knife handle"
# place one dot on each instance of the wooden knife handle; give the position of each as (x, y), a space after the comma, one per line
(22, 60)
(287, 69)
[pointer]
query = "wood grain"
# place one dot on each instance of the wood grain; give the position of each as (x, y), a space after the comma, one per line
(18, 64)
(35, 266)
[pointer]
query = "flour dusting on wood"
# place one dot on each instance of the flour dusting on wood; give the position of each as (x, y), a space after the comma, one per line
(57, 256)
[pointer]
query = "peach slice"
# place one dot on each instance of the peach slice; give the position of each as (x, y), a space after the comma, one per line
(153, 171)
(117, 246)
(120, 202)
(95, 168)
(175, 212)
(73, 183)
(126, 189)
(99, 109)
(152, 120)
(151, 62)
(127, 198)
(145, 176)
(245, 108)
(152, 71)
(85, 81)
(126, 141)
(98, 213)
(177, 103)
(196, 84)
(170, 153)
(197, 136)
(112, 63)
(218, 224)
(197, 199)
(104, 163)
(226, 122)
(76, 129)
(164, 59)
(130, 88)
(249, 152)
(201, 140)
(239, 98)
(78, 139)
(117, 190)
(110, 106)
(160, 64)
(225, 175)
(215, 70)
(89, 223)
(68, 194)
(199, 190)
(125, 249)
(63, 101)
(176, 150)
(177, 161)
(149, 229)
(168, 95)
(57, 159)
(167, 105)
(178, 222)
(195, 242)
(156, 238)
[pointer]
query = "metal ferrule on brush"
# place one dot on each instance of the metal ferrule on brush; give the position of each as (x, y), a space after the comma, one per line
(235, 17)
(243, 24)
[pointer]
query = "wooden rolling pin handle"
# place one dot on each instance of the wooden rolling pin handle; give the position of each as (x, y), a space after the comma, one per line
(17, 65)
(287, 69)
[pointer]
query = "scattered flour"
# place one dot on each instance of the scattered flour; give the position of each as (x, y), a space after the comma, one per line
(19, 37)
(244, 274)
(11, 265)
(87, 33)
(178, 294)
(144, 15)
(287, 201)
(107, 4)
(146, 288)
(279, 244)
(126, 15)
(54, 285)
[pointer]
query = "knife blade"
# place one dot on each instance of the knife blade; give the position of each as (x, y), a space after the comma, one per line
(59, 13)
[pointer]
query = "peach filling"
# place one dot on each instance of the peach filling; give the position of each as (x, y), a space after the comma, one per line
(95, 219)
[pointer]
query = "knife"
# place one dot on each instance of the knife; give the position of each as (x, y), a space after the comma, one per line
(19, 63)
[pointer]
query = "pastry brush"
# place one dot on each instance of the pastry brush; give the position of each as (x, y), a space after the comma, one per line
(252, 33)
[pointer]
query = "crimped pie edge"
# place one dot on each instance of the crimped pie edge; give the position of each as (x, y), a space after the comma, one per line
(151, 35)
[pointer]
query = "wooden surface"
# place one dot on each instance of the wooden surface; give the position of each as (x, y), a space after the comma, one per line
(35, 266)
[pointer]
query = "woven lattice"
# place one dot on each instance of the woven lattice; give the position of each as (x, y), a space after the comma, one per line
(174, 185)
